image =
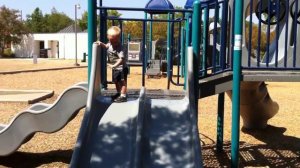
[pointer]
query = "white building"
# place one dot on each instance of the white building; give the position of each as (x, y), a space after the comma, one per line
(53, 45)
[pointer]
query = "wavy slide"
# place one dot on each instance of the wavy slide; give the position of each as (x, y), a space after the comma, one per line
(42, 117)
(256, 105)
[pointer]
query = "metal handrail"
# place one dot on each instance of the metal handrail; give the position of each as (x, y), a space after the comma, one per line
(145, 9)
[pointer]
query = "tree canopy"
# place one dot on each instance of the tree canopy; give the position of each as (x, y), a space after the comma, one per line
(57, 21)
(12, 28)
(83, 22)
(37, 22)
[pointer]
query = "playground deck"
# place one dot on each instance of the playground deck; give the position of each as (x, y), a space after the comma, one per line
(151, 93)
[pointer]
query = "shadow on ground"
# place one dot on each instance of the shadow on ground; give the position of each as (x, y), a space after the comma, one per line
(24, 159)
(279, 150)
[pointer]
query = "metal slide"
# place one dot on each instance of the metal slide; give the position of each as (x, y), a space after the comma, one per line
(42, 117)
(139, 133)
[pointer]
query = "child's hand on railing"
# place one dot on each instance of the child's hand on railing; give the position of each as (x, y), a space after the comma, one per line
(110, 66)
(100, 44)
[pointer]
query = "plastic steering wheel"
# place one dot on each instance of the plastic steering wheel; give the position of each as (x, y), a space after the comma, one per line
(293, 11)
(272, 18)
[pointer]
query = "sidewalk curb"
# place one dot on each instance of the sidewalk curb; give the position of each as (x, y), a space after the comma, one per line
(38, 70)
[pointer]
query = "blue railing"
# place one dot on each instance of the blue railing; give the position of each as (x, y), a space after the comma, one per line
(146, 43)
(270, 35)
(214, 43)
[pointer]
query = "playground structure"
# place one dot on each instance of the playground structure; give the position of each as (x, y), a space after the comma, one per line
(218, 63)
(238, 63)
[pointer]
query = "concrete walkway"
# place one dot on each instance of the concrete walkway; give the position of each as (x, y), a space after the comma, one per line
(37, 70)
(29, 96)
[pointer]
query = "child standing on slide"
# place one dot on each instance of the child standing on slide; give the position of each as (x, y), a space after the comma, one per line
(117, 62)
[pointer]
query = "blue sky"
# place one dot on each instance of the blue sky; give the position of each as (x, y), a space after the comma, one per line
(67, 6)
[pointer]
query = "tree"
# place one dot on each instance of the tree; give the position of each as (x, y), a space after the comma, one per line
(160, 28)
(114, 13)
(48, 23)
(135, 29)
(12, 28)
(83, 22)
(57, 21)
(36, 22)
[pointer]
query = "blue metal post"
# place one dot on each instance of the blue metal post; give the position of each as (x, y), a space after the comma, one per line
(295, 25)
(169, 51)
(128, 41)
(250, 34)
(237, 55)
(179, 52)
(122, 38)
(122, 33)
(215, 35)
(205, 41)
(103, 38)
(182, 53)
(144, 52)
(150, 37)
(224, 35)
(145, 45)
(91, 31)
(259, 35)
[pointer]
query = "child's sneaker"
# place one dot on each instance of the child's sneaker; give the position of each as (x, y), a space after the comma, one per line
(113, 97)
(120, 99)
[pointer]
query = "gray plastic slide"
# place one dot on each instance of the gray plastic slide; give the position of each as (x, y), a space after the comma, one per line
(168, 135)
(138, 133)
(42, 117)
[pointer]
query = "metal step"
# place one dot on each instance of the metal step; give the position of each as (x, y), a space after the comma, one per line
(215, 84)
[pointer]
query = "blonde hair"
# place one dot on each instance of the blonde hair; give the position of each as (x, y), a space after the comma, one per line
(114, 31)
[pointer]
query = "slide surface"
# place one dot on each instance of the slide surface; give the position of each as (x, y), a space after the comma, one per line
(169, 136)
(138, 133)
(41, 117)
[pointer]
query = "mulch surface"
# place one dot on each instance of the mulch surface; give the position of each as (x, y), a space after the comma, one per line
(276, 146)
